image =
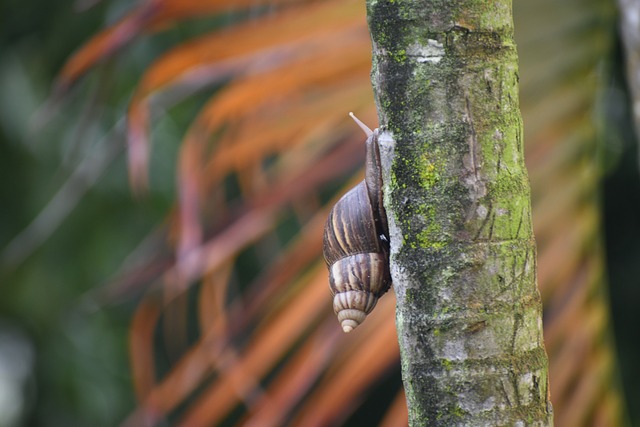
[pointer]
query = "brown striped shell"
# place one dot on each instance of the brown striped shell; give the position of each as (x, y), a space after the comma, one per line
(356, 245)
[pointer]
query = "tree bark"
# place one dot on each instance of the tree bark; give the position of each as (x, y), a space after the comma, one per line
(463, 255)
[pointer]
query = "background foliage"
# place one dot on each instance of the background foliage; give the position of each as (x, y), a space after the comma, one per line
(200, 296)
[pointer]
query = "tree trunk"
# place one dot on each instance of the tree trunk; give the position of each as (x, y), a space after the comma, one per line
(463, 255)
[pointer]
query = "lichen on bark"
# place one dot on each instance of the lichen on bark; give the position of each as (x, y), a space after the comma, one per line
(463, 255)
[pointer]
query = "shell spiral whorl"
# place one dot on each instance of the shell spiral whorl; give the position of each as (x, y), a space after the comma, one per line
(356, 244)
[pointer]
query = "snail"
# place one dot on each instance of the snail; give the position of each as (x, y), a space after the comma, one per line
(356, 243)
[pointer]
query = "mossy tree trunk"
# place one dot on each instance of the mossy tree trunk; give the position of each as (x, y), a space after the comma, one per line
(463, 255)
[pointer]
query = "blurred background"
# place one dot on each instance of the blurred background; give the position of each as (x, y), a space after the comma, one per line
(166, 168)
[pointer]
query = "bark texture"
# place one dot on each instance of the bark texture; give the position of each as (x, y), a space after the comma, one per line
(463, 255)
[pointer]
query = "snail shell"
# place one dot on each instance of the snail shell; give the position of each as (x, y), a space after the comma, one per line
(356, 244)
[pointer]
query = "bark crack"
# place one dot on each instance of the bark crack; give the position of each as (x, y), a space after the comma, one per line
(473, 146)
(472, 163)
(520, 222)
(485, 221)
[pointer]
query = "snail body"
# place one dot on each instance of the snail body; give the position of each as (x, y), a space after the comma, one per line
(356, 243)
